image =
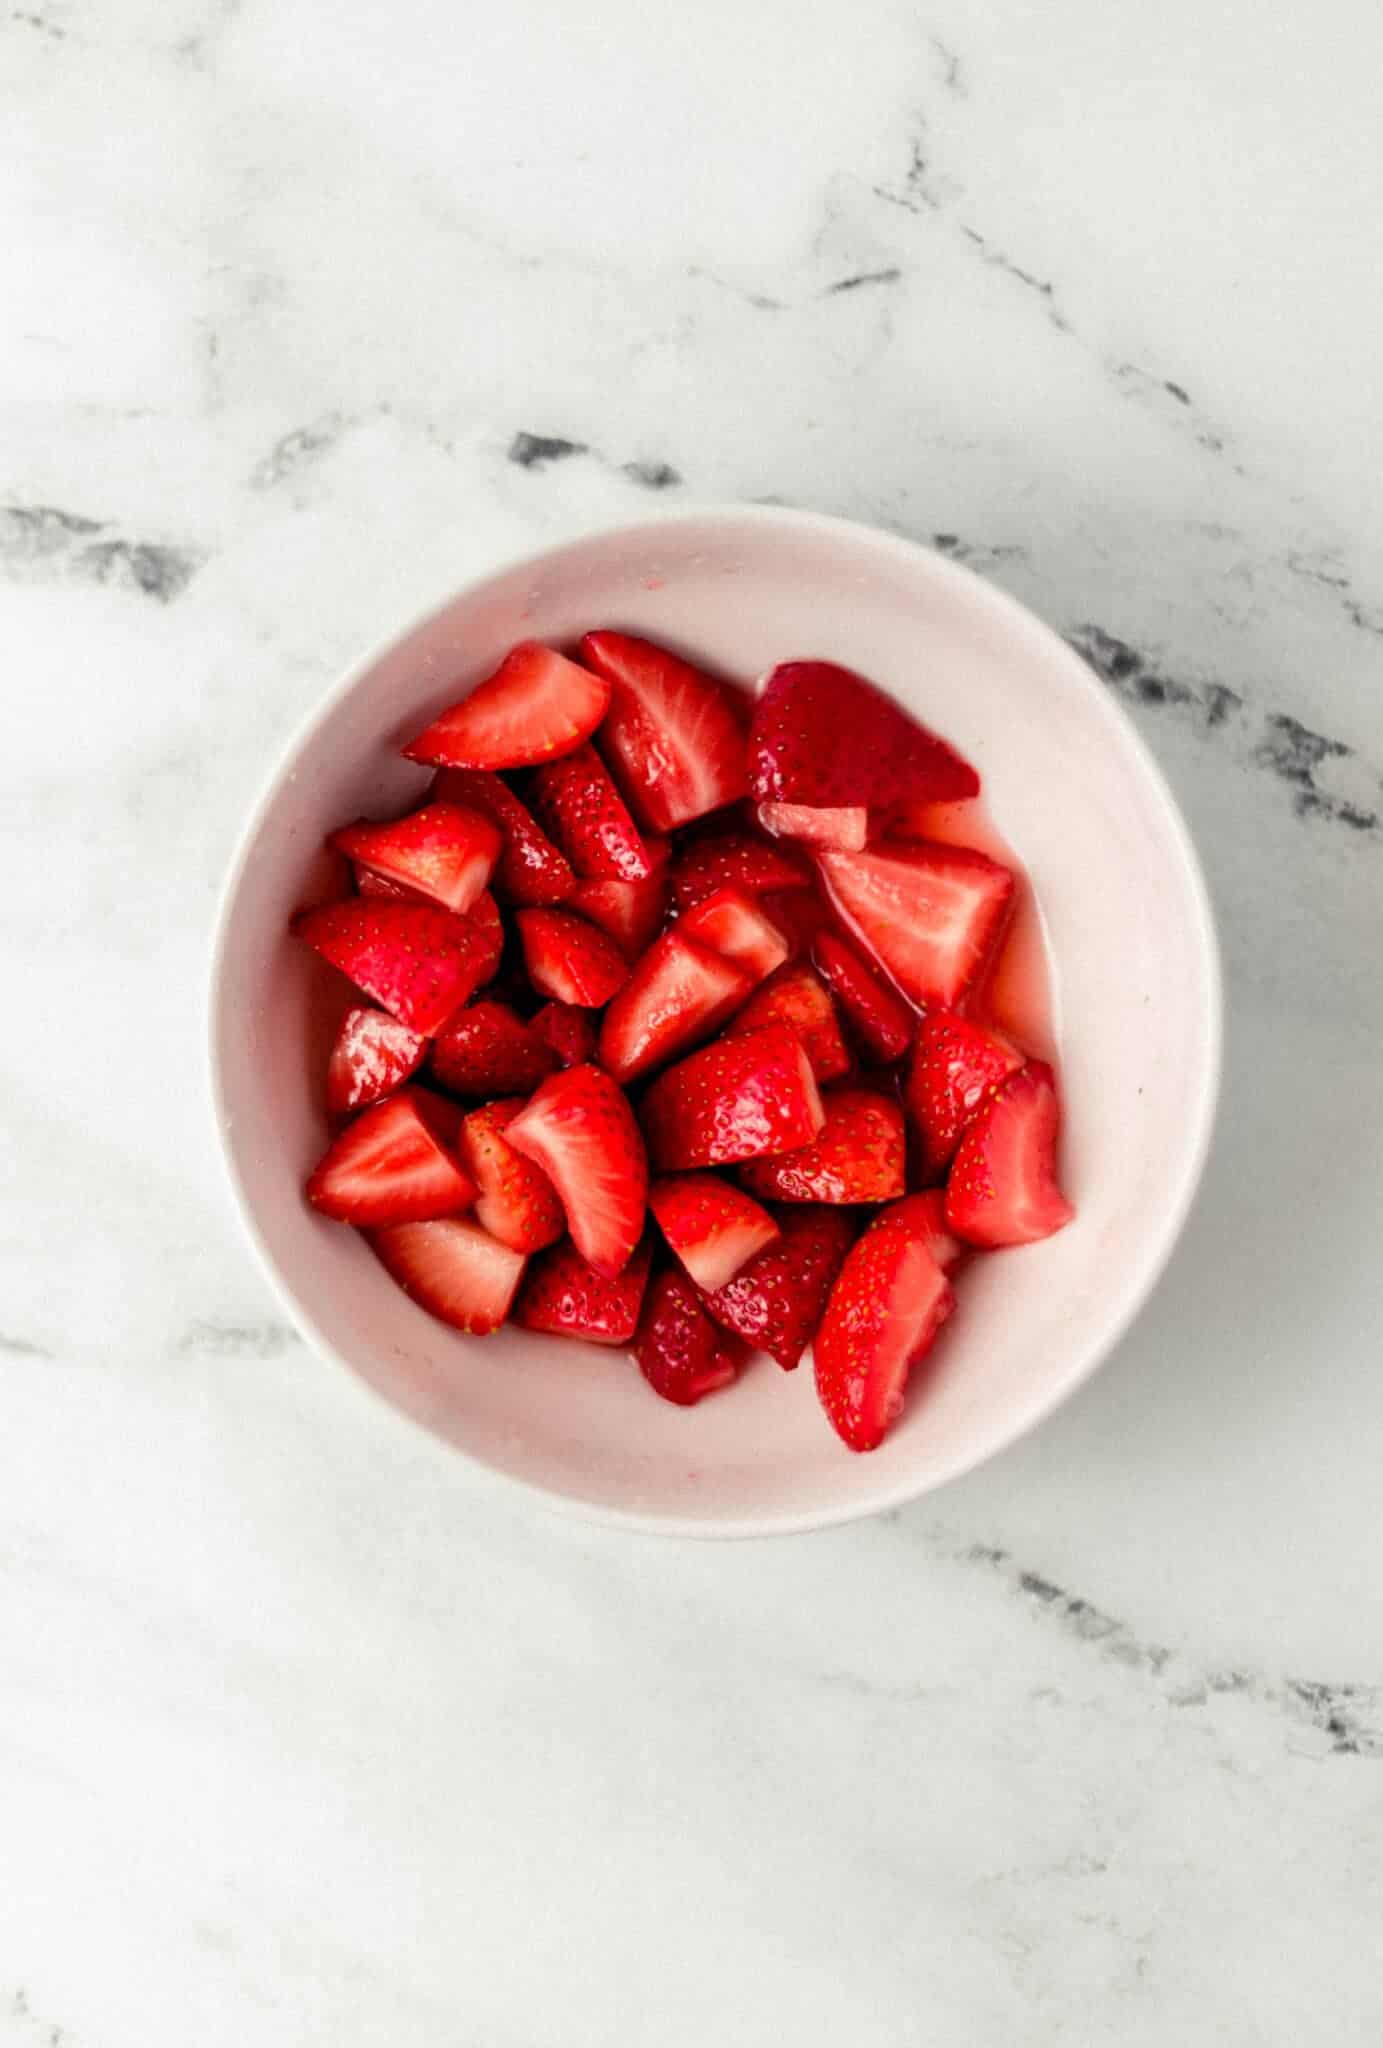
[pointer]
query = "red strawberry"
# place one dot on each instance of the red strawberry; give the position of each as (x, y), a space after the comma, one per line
(880, 1019)
(953, 1064)
(536, 705)
(373, 1055)
(713, 1227)
(925, 1215)
(416, 960)
(822, 735)
(368, 883)
(859, 1155)
(489, 1050)
(678, 994)
(799, 914)
(736, 860)
(795, 996)
(484, 915)
(443, 852)
(1003, 1187)
(631, 912)
(681, 1353)
(775, 1302)
(734, 925)
(453, 1269)
(736, 1099)
(530, 869)
(672, 734)
(564, 1296)
(515, 1201)
(581, 1131)
(394, 1164)
(569, 1031)
(889, 1301)
(845, 825)
(569, 959)
(586, 815)
(932, 915)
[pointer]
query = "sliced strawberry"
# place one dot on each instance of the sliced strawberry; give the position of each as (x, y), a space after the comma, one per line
(530, 869)
(443, 852)
(373, 1055)
(515, 1201)
(954, 1063)
(631, 912)
(844, 825)
(932, 915)
(877, 1014)
(713, 1227)
(889, 1301)
(737, 860)
(484, 915)
(672, 734)
(394, 1164)
(925, 1216)
(858, 1156)
(799, 914)
(453, 1269)
(368, 883)
(536, 705)
(1003, 1187)
(680, 1351)
(735, 925)
(678, 994)
(565, 1296)
(736, 1099)
(775, 1302)
(569, 1031)
(568, 959)
(487, 1049)
(822, 735)
(796, 997)
(587, 816)
(418, 961)
(580, 1129)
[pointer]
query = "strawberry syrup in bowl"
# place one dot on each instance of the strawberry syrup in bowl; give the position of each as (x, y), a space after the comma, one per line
(566, 977)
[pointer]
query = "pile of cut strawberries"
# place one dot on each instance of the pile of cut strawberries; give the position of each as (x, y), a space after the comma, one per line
(670, 1030)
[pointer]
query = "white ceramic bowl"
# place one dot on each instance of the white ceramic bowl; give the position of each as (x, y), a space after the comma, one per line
(1137, 991)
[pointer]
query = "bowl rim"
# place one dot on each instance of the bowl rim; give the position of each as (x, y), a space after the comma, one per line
(1200, 1118)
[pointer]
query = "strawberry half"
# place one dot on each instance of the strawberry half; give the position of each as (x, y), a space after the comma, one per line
(735, 860)
(530, 868)
(672, 733)
(736, 1099)
(880, 1019)
(631, 912)
(680, 1351)
(954, 1063)
(795, 996)
(735, 926)
(713, 1228)
(536, 705)
(1003, 1187)
(373, 1055)
(394, 1164)
(580, 1129)
(569, 959)
(568, 1030)
(565, 1296)
(678, 994)
(932, 915)
(418, 961)
(889, 1301)
(443, 852)
(588, 818)
(823, 736)
(859, 1155)
(515, 1201)
(487, 1049)
(453, 1269)
(845, 825)
(775, 1302)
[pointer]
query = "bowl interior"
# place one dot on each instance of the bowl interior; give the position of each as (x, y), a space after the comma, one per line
(1136, 1011)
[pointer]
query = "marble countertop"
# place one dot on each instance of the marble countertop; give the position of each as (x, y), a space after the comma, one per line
(306, 1734)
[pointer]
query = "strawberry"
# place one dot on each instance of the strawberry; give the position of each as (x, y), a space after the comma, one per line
(373, 1055)
(569, 1031)
(795, 996)
(368, 883)
(775, 1302)
(953, 1064)
(736, 1099)
(453, 1269)
(680, 1351)
(932, 915)
(737, 860)
(484, 915)
(672, 734)
(535, 706)
(581, 1131)
(418, 961)
(678, 994)
(858, 1156)
(880, 1019)
(844, 825)
(564, 1296)
(515, 1200)
(734, 925)
(530, 868)
(631, 912)
(443, 852)
(799, 915)
(890, 1299)
(713, 1227)
(1003, 1187)
(394, 1164)
(487, 1049)
(568, 959)
(925, 1215)
(587, 817)
(822, 735)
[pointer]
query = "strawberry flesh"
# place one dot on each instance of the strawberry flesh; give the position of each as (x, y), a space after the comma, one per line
(845, 826)
(568, 1030)
(680, 1351)
(713, 1228)
(954, 1063)
(568, 959)
(416, 960)
(630, 912)
(925, 1216)
(1003, 1187)
(535, 706)
(678, 994)
(530, 869)
(453, 1269)
(672, 734)
(858, 1156)
(373, 1056)
(737, 927)
(775, 1302)
(488, 1049)
(794, 996)
(822, 735)
(580, 1130)
(565, 1296)
(932, 915)
(445, 853)
(736, 1099)
(394, 1164)
(882, 1022)
(889, 1300)
(588, 818)
(515, 1201)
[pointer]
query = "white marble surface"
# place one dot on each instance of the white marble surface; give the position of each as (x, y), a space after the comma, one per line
(306, 1736)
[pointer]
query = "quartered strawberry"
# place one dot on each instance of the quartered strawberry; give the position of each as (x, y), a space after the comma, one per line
(954, 1062)
(418, 961)
(889, 1301)
(536, 705)
(568, 959)
(845, 825)
(394, 1164)
(822, 735)
(588, 818)
(713, 1227)
(1003, 1187)
(680, 1351)
(565, 1296)
(672, 734)
(484, 915)
(736, 860)
(925, 1216)
(775, 1302)
(799, 914)
(736, 926)
(736, 1099)
(453, 1269)
(876, 1013)
(368, 883)
(932, 915)
(859, 1155)
(796, 997)
(530, 869)
(487, 1049)
(515, 1201)
(631, 912)
(373, 1055)
(580, 1129)
(443, 852)
(568, 1030)
(678, 994)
